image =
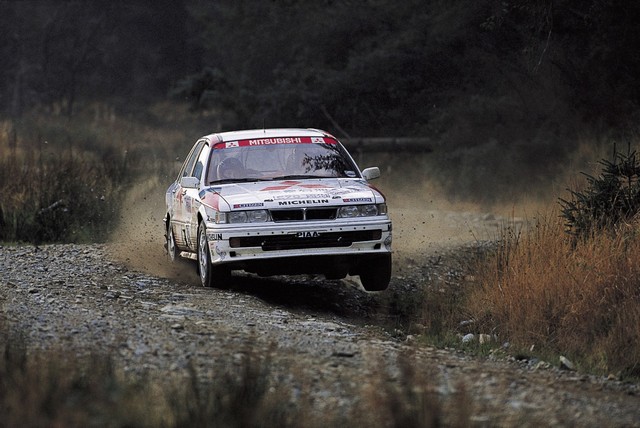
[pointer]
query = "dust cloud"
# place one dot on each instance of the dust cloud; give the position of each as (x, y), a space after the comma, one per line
(427, 219)
(138, 241)
(424, 223)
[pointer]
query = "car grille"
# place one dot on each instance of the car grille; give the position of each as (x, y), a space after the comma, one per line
(303, 214)
(294, 242)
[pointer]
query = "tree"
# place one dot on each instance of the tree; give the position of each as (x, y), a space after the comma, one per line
(58, 52)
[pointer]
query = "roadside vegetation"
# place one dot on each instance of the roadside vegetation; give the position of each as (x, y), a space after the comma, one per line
(570, 284)
(58, 388)
(564, 283)
(53, 189)
(548, 296)
(64, 180)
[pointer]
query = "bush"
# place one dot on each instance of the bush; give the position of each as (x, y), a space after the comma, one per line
(577, 298)
(611, 199)
(54, 199)
(63, 180)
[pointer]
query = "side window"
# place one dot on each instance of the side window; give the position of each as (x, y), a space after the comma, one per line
(188, 166)
(202, 159)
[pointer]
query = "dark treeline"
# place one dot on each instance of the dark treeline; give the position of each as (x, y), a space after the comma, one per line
(466, 72)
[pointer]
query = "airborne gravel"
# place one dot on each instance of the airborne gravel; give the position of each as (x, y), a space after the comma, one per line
(325, 338)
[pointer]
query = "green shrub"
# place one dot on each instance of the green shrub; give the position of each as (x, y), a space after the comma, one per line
(611, 199)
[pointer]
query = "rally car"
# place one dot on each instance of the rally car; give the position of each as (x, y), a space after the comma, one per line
(278, 202)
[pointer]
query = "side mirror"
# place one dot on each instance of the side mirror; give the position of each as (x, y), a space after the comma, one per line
(371, 173)
(190, 182)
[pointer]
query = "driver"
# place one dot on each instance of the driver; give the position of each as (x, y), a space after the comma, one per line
(230, 168)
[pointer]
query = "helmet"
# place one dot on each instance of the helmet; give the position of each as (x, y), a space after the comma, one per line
(230, 168)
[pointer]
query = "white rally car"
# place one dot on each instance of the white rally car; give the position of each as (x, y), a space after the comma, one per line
(278, 201)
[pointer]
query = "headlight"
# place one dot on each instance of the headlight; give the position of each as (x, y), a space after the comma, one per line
(258, 216)
(368, 210)
(348, 212)
(238, 217)
(253, 216)
(214, 215)
(371, 210)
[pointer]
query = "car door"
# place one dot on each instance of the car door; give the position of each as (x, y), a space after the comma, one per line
(191, 198)
(180, 218)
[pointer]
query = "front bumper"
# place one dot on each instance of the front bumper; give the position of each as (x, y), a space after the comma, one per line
(248, 242)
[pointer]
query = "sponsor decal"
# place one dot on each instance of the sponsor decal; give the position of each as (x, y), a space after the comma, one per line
(336, 192)
(252, 205)
(221, 254)
(305, 202)
(314, 186)
(299, 196)
(307, 234)
(266, 141)
(356, 199)
(216, 237)
(275, 140)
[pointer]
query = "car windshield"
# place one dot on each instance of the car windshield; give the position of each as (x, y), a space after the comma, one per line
(269, 159)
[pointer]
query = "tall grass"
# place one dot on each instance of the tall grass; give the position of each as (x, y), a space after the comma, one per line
(582, 300)
(64, 180)
(62, 197)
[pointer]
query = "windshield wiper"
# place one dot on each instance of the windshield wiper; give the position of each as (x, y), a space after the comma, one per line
(300, 177)
(239, 180)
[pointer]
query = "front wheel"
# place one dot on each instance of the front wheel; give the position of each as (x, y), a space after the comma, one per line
(375, 276)
(209, 276)
(172, 252)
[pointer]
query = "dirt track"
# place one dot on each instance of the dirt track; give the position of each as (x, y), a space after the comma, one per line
(325, 338)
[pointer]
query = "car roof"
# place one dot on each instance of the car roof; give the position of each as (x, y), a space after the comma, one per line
(221, 137)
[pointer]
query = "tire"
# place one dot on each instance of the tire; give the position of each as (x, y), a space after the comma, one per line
(172, 251)
(377, 274)
(205, 270)
(210, 276)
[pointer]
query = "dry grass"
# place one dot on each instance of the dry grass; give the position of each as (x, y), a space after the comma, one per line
(58, 388)
(54, 389)
(62, 180)
(582, 300)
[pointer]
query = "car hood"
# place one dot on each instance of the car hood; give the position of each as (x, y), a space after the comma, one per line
(290, 194)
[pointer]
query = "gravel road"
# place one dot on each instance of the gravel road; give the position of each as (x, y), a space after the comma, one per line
(324, 338)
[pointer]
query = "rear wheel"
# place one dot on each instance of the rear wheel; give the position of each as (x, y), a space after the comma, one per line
(375, 274)
(210, 276)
